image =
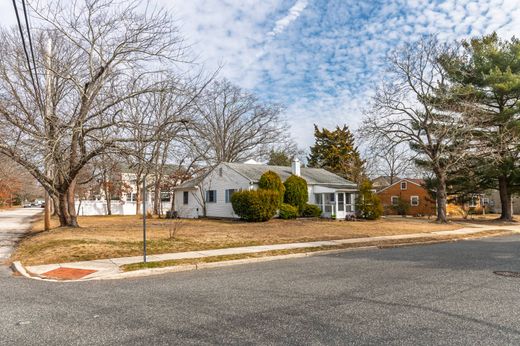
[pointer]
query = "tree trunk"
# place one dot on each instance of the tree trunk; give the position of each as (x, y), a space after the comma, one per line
(505, 199)
(441, 198)
(157, 199)
(137, 197)
(54, 205)
(71, 204)
(63, 212)
(108, 200)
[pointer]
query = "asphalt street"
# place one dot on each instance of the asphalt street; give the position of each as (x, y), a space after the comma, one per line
(13, 224)
(437, 294)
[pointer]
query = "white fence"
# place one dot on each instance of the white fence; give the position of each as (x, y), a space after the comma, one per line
(90, 208)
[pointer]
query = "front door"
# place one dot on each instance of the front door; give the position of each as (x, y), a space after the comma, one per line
(341, 205)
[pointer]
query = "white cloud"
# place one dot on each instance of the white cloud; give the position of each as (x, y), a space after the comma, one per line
(327, 54)
(294, 13)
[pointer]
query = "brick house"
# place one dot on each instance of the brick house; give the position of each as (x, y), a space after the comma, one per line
(412, 192)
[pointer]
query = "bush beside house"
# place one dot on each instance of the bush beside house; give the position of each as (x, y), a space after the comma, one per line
(402, 207)
(288, 211)
(311, 210)
(296, 192)
(271, 181)
(368, 204)
(255, 205)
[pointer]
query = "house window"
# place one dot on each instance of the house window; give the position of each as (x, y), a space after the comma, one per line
(318, 198)
(131, 198)
(229, 193)
(348, 203)
(220, 172)
(211, 196)
(165, 196)
(185, 197)
(404, 185)
(414, 201)
(395, 200)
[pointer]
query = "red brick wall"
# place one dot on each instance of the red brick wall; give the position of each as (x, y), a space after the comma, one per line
(425, 207)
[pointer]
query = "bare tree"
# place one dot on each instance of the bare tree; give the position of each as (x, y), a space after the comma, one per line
(101, 55)
(16, 185)
(388, 159)
(232, 125)
(409, 108)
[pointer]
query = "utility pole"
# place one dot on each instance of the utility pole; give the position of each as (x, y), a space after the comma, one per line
(144, 219)
(48, 110)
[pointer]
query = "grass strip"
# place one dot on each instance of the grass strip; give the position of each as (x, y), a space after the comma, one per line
(380, 244)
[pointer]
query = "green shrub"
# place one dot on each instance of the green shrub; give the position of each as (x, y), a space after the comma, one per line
(255, 205)
(402, 207)
(311, 210)
(296, 193)
(368, 204)
(287, 211)
(271, 181)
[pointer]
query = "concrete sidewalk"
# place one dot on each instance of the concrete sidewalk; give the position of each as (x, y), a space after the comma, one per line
(110, 268)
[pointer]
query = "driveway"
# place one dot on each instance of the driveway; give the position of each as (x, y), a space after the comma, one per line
(13, 224)
(438, 294)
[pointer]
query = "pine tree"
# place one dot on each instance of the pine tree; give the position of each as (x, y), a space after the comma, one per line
(486, 76)
(336, 151)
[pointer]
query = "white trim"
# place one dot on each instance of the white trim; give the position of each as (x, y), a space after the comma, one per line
(392, 200)
(418, 201)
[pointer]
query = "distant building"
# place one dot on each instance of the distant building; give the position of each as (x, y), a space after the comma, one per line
(410, 191)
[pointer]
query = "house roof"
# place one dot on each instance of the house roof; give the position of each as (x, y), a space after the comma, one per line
(192, 183)
(253, 172)
(418, 182)
(313, 176)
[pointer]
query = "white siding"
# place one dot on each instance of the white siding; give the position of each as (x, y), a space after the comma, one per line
(229, 180)
(191, 210)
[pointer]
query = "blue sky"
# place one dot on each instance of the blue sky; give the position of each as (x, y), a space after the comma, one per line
(323, 58)
(320, 58)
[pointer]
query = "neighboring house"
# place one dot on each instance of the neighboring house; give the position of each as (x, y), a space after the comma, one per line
(210, 195)
(124, 196)
(492, 200)
(410, 191)
(383, 181)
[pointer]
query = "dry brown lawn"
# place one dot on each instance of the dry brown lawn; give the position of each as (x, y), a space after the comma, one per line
(120, 236)
(491, 219)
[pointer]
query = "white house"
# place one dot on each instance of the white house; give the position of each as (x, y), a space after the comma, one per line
(333, 194)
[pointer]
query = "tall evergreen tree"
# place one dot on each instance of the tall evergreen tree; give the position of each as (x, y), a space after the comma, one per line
(279, 158)
(486, 76)
(336, 151)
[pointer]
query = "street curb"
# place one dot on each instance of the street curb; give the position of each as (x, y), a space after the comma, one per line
(18, 267)
(200, 266)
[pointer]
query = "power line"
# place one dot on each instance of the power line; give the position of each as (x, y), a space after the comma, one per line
(36, 90)
(31, 45)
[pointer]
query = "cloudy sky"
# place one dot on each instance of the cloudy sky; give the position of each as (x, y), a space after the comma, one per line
(320, 58)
